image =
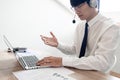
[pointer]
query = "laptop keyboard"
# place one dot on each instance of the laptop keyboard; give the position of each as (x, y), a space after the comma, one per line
(29, 61)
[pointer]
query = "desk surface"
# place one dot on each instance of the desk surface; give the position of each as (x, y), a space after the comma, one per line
(9, 64)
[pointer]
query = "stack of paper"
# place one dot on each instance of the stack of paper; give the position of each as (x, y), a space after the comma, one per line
(44, 74)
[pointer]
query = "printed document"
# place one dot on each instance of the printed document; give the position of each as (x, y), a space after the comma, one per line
(44, 74)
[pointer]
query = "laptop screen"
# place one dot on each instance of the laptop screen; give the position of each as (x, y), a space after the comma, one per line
(7, 43)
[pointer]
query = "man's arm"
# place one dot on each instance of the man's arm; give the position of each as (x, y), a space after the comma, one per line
(104, 55)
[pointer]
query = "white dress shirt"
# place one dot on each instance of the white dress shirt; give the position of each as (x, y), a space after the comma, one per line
(102, 44)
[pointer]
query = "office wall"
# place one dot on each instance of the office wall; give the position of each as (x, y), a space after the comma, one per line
(23, 21)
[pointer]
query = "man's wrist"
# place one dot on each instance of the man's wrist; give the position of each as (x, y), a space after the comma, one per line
(61, 62)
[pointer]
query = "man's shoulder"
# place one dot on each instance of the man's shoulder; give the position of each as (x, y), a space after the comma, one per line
(109, 24)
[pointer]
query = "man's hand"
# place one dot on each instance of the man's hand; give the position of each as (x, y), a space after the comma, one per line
(50, 61)
(51, 41)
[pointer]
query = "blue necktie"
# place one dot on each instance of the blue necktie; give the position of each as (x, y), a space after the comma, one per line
(84, 43)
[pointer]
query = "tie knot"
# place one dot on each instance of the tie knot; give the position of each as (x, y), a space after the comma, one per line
(86, 24)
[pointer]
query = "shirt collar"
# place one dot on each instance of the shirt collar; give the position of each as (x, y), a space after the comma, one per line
(94, 20)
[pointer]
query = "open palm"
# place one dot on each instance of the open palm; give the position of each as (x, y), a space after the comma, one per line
(51, 41)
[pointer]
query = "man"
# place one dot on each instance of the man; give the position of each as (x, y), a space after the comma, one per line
(95, 43)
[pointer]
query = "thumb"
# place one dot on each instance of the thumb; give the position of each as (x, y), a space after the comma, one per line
(52, 34)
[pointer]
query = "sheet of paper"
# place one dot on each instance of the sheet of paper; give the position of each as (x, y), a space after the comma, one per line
(44, 74)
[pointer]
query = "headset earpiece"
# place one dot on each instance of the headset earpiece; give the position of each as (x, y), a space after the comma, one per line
(93, 3)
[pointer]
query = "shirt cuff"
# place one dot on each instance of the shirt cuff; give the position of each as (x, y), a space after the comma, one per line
(59, 46)
(68, 61)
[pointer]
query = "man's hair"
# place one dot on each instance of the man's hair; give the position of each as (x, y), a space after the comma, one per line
(75, 3)
(91, 3)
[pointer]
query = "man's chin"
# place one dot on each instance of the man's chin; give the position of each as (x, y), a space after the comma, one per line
(82, 19)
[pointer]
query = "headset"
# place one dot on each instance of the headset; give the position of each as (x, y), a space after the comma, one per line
(93, 4)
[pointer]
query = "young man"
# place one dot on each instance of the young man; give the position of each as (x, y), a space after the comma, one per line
(95, 43)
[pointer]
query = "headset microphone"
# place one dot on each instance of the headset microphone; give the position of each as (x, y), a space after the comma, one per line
(74, 21)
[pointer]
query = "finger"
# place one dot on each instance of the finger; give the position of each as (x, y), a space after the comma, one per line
(52, 34)
(45, 60)
(46, 64)
(44, 37)
(48, 58)
(41, 35)
(39, 63)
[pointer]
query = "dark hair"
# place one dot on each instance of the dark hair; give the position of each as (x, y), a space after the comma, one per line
(75, 3)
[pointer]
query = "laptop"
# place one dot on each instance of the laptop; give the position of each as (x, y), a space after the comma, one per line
(11, 48)
(26, 61)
